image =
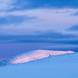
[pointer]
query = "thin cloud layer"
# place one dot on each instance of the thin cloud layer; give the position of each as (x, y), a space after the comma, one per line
(7, 4)
(73, 28)
(33, 17)
(39, 20)
(31, 4)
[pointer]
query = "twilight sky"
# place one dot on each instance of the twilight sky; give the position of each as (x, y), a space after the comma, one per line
(30, 17)
(38, 24)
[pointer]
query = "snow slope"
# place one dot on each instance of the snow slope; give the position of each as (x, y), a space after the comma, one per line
(62, 66)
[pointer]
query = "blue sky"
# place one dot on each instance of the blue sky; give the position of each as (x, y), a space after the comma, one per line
(30, 17)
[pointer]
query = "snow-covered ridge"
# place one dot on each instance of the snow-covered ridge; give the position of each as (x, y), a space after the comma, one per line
(35, 55)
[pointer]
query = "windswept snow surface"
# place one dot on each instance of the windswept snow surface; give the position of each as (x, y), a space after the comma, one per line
(63, 66)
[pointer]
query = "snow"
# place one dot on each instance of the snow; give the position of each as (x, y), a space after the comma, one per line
(62, 66)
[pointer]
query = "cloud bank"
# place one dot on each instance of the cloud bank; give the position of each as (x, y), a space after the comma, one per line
(35, 17)
(37, 20)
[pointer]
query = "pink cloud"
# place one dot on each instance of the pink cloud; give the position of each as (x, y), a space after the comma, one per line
(37, 54)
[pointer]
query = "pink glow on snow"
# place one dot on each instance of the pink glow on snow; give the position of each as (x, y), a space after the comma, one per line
(37, 54)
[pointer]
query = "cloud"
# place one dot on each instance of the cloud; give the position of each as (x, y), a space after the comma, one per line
(37, 20)
(11, 19)
(36, 55)
(73, 28)
(33, 4)
(75, 14)
(7, 4)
